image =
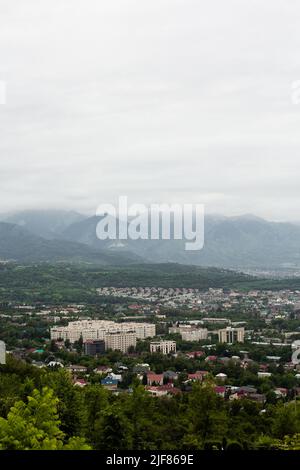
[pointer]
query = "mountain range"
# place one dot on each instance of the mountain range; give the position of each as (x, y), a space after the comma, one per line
(245, 242)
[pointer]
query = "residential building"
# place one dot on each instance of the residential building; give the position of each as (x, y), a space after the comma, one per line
(194, 334)
(2, 353)
(164, 347)
(231, 335)
(96, 330)
(94, 347)
(155, 379)
(120, 340)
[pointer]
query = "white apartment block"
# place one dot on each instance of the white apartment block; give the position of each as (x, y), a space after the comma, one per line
(96, 329)
(231, 335)
(192, 334)
(164, 347)
(120, 340)
(2, 353)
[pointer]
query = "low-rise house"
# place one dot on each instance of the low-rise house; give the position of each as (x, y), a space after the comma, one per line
(109, 383)
(170, 375)
(220, 390)
(221, 376)
(195, 354)
(259, 397)
(162, 390)
(80, 382)
(281, 392)
(102, 370)
(156, 391)
(77, 368)
(199, 375)
(263, 375)
(297, 391)
(141, 368)
(224, 360)
(155, 379)
(211, 359)
(55, 364)
(113, 376)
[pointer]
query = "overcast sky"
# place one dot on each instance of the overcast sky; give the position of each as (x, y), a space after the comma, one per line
(161, 100)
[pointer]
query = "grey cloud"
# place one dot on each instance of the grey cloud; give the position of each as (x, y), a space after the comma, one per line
(169, 99)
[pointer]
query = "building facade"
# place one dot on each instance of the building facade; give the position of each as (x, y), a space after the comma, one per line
(97, 329)
(231, 335)
(94, 347)
(2, 353)
(163, 347)
(120, 340)
(192, 334)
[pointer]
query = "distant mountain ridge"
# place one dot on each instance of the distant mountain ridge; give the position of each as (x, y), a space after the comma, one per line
(48, 224)
(18, 244)
(230, 242)
(243, 242)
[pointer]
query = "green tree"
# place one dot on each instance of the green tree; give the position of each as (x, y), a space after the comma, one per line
(207, 416)
(35, 425)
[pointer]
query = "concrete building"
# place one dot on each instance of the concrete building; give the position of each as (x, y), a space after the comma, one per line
(231, 335)
(120, 340)
(94, 347)
(164, 347)
(193, 334)
(2, 353)
(96, 330)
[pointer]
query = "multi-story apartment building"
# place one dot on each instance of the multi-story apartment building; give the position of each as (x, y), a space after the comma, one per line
(120, 340)
(94, 347)
(231, 335)
(193, 334)
(164, 347)
(2, 353)
(96, 330)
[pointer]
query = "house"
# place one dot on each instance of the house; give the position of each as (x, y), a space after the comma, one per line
(80, 382)
(246, 392)
(55, 364)
(162, 390)
(247, 389)
(263, 375)
(77, 368)
(170, 375)
(155, 379)
(263, 367)
(224, 360)
(221, 376)
(195, 354)
(141, 368)
(259, 397)
(156, 391)
(297, 391)
(102, 370)
(281, 392)
(109, 383)
(211, 359)
(113, 376)
(220, 390)
(198, 375)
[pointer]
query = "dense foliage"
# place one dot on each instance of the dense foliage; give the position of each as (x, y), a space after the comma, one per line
(42, 409)
(78, 283)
